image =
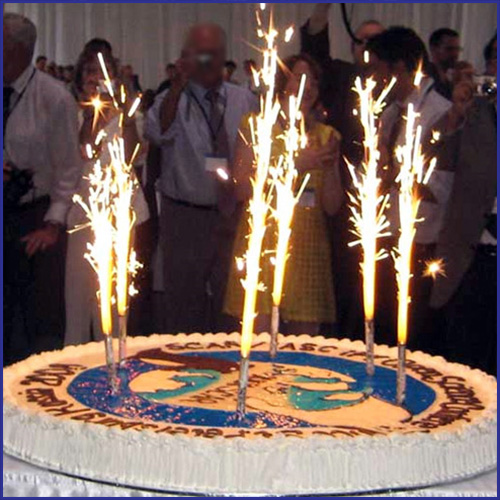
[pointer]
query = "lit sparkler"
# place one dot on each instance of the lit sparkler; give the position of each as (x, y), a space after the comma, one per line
(284, 180)
(126, 264)
(261, 129)
(434, 268)
(414, 170)
(368, 205)
(100, 252)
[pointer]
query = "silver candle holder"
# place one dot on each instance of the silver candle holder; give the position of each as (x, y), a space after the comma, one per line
(122, 339)
(369, 342)
(110, 362)
(401, 375)
(242, 387)
(275, 322)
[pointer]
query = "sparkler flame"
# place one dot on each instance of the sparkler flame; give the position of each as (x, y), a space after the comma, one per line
(368, 205)
(412, 172)
(434, 268)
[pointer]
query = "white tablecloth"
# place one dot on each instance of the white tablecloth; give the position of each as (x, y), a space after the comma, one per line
(21, 479)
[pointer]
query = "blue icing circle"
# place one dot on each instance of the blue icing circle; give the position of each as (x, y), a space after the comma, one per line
(91, 389)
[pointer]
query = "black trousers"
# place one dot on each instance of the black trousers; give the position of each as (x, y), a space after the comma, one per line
(33, 307)
(467, 324)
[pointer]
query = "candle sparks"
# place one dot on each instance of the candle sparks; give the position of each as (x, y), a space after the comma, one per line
(261, 130)
(414, 170)
(289, 34)
(434, 268)
(284, 180)
(368, 205)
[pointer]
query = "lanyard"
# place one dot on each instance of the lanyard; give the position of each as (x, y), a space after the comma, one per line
(22, 92)
(213, 133)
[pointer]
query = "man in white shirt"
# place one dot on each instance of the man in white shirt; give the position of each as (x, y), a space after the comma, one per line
(399, 52)
(40, 131)
(196, 125)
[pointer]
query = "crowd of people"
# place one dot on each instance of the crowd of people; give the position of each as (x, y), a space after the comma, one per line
(191, 221)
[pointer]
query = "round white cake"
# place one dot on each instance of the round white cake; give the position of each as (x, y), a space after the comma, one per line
(315, 422)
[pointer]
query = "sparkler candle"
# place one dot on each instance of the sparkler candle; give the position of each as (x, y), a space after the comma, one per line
(368, 204)
(284, 180)
(261, 129)
(124, 187)
(100, 251)
(411, 174)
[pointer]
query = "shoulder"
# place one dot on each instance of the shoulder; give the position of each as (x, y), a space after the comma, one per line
(54, 92)
(324, 132)
(238, 91)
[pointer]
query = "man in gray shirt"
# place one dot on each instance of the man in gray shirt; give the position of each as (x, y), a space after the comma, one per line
(195, 123)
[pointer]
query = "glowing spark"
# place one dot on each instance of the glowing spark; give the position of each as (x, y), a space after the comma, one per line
(100, 251)
(418, 75)
(107, 80)
(436, 136)
(123, 94)
(412, 166)
(222, 174)
(284, 179)
(134, 107)
(124, 187)
(434, 268)
(99, 137)
(89, 151)
(368, 205)
(366, 57)
(261, 129)
(262, 6)
(288, 34)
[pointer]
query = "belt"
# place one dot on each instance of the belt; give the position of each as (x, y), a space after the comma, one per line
(214, 208)
(487, 250)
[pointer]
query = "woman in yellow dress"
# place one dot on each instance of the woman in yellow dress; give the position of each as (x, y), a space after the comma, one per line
(308, 294)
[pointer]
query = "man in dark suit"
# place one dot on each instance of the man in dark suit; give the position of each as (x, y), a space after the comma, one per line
(465, 299)
(339, 100)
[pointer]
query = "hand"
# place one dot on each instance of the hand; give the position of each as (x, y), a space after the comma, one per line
(41, 239)
(7, 169)
(325, 156)
(183, 73)
(462, 98)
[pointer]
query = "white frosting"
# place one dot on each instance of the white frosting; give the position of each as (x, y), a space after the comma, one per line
(279, 465)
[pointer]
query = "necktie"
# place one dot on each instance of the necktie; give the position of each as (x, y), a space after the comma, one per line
(217, 126)
(7, 94)
(225, 199)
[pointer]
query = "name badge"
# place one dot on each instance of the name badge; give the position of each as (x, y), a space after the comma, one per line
(307, 199)
(216, 164)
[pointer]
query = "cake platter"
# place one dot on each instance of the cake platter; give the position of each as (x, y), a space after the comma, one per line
(316, 423)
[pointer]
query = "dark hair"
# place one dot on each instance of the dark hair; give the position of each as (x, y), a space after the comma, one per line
(437, 36)
(287, 68)
(98, 45)
(170, 66)
(85, 58)
(489, 51)
(230, 64)
(41, 58)
(399, 44)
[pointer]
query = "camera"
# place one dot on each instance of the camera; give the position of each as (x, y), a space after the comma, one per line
(485, 86)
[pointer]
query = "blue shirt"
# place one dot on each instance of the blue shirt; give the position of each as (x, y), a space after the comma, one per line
(187, 142)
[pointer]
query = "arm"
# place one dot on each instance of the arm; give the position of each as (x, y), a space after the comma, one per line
(314, 38)
(332, 192)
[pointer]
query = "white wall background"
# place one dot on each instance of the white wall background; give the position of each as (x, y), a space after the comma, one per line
(148, 35)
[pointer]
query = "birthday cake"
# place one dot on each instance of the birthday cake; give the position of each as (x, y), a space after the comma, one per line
(315, 422)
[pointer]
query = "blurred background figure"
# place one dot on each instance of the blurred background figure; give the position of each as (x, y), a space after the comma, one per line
(170, 72)
(444, 47)
(230, 68)
(130, 80)
(41, 63)
(42, 167)
(490, 57)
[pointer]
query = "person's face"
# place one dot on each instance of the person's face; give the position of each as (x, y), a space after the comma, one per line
(16, 57)
(41, 64)
(206, 57)
(311, 89)
(171, 72)
(364, 34)
(446, 54)
(91, 76)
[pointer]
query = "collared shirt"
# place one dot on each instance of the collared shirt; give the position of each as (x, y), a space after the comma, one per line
(431, 107)
(42, 136)
(185, 145)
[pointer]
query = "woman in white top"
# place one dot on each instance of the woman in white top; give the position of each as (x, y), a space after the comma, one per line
(82, 314)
